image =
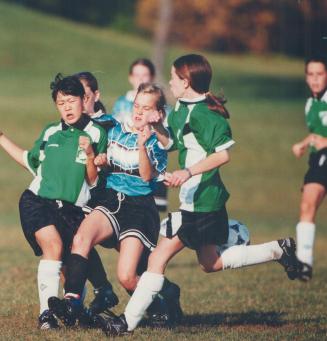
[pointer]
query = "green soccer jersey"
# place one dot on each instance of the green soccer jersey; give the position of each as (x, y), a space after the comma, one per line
(59, 165)
(196, 133)
(316, 115)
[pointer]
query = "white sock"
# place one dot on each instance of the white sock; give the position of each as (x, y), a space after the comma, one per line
(147, 288)
(243, 255)
(48, 278)
(83, 295)
(305, 237)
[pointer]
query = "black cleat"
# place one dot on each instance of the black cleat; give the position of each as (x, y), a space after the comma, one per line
(67, 310)
(104, 299)
(47, 321)
(305, 272)
(288, 259)
(165, 311)
(113, 325)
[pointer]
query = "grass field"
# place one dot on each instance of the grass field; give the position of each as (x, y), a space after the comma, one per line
(266, 99)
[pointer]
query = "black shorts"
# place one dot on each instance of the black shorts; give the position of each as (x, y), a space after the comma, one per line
(36, 213)
(196, 229)
(160, 196)
(129, 216)
(317, 172)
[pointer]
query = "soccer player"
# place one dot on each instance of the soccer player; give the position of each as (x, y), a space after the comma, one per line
(124, 215)
(61, 162)
(315, 180)
(141, 71)
(202, 136)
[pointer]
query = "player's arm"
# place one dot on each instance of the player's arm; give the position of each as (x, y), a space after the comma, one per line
(91, 173)
(300, 148)
(12, 149)
(215, 160)
(319, 142)
(145, 167)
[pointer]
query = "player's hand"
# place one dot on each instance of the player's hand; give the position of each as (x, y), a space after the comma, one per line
(84, 142)
(155, 117)
(176, 178)
(101, 160)
(143, 136)
(299, 149)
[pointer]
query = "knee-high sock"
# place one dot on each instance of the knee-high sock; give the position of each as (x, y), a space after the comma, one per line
(243, 255)
(96, 273)
(305, 236)
(147, 288)
(76, 273)
(48, 279)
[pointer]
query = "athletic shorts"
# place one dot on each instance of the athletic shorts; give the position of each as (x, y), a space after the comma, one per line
(160, 197)
(317, 172)
(129, 216)
(36, 213)
(196, 229)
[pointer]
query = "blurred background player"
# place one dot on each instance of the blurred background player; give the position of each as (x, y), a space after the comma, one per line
(141, 71)
(315, 180)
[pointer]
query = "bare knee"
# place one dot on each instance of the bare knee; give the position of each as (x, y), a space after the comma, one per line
(52, 250)
(307, 208)
(81, 244)
(127, 280)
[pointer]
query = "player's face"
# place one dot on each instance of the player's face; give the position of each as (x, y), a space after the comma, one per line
(140, 74)
(177, 85)
(144, 105)
(70, 107)
(90, 98)
(316, 77)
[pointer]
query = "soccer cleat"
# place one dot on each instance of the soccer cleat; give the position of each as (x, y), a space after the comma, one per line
(47, 321)
(104, 299)
(113, 325)
(165, 311)
(288, 259)
(67, 310)
(305, 272)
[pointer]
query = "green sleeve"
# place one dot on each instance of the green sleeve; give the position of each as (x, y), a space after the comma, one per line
(213, 133)
(172, 134)
(103, 142)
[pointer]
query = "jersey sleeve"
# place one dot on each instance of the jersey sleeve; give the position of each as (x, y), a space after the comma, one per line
(34, 156)
(103, 142)
(158, 156)
(214, 133)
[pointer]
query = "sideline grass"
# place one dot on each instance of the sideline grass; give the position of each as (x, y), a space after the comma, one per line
(266, 99)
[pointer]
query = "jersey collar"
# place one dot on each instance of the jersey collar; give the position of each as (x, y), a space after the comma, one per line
(322, 95)
(196, 100)
(81, 124)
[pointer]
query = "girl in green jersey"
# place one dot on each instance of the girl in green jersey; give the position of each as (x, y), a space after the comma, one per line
(200, 132)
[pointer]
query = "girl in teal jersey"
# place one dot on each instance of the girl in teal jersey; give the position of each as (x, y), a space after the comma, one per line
(315, 180)
(200, 132)
(63, 168)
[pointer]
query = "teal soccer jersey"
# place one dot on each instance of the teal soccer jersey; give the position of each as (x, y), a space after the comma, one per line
(198, 132)
(59, 165)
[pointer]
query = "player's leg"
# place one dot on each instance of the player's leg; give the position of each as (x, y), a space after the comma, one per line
(48, 276)
(238, 256)
(312, 196)
(95, 228)
(149, 285)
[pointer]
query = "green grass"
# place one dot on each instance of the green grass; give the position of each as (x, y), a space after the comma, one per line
(266, 99)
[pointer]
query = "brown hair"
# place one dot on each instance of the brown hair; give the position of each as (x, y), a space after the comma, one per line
(153, 89)
(197, 70)
(145, 62)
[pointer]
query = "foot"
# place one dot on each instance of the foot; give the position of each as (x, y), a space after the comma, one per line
(113, 325)
(104, 299)
(47, 321)
(165, 311)
(67, 310)
(305, 272)
(288, 259)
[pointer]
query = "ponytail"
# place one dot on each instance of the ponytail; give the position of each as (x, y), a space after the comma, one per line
(217, 104)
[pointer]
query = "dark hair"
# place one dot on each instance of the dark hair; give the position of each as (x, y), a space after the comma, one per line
(145, 62)
(154, 89)
(318, 58)
(69, 85)
(92, 83)
(197, 70)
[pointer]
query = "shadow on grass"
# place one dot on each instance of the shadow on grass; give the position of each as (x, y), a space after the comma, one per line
(270, 318)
